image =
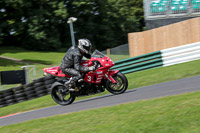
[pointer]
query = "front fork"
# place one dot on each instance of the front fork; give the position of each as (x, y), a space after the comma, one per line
(109, 75)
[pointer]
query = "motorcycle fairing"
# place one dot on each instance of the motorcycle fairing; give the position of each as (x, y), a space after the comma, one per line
(95, 76)
(55, 71)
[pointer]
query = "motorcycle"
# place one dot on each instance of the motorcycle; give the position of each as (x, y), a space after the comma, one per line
(93, 82)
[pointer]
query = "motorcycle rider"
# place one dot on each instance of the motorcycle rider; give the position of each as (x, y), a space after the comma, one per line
(71, 62)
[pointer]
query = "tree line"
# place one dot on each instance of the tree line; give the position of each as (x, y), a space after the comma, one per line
(42, 24)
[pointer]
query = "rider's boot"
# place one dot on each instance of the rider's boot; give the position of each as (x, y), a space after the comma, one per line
(70, 84)
(80, 80)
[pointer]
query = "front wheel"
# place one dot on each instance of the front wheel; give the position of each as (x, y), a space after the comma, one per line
(120, 86)
(61, 95)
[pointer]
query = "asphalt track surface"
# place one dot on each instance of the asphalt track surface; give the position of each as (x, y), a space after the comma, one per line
(159, 90)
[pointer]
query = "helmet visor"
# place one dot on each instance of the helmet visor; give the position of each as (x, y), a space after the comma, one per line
(87, 48)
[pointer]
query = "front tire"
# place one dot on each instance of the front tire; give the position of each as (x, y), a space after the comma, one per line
(120, 86)
(61, 95)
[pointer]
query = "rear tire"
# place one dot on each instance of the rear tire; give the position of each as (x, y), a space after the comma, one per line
(120, 86)
(62, 97)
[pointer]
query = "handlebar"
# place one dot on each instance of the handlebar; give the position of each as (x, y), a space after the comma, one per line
(97, 64)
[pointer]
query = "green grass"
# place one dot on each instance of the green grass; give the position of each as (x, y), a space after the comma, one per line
(46, 58)
(119, 57)
(9, 65)
(172, 114)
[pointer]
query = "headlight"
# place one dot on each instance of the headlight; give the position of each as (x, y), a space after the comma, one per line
(45, 74)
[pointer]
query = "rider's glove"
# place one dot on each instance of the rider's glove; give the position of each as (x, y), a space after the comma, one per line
(92, 68)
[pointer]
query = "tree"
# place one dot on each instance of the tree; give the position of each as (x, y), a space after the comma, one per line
(106, 22)
(42, 25)
(33, 24)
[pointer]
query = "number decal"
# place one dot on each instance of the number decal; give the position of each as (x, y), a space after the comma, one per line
(89, 78)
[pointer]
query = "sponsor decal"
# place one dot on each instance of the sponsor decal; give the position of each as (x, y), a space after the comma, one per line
(85, 64)
(51, 70)
(99, 72)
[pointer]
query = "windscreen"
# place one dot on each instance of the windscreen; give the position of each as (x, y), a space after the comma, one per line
(98, 54)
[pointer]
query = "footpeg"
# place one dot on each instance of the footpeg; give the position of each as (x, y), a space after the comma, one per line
(80, 80)
(72, 90)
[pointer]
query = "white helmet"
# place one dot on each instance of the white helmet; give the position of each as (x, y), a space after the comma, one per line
(84, 45)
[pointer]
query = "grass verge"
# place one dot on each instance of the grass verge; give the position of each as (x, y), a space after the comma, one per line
(46, 58)
(172, 114)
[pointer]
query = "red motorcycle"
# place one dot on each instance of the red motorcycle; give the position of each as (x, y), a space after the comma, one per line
(93, 82)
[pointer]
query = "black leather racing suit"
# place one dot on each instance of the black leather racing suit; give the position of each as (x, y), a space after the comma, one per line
(71, 63)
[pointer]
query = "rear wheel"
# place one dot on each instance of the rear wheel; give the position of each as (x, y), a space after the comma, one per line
(120, 86)
(62, 95)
